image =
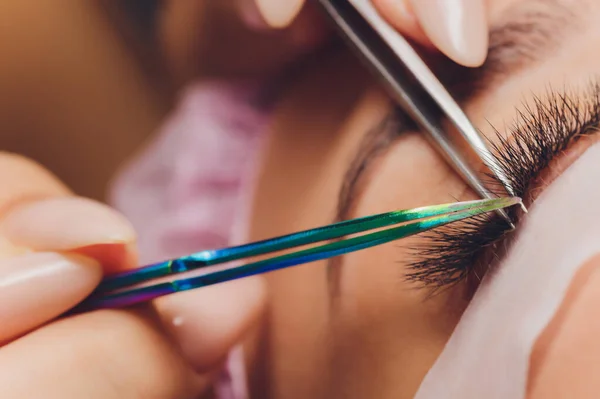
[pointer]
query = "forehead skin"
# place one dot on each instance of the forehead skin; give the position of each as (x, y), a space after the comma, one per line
(379, 336)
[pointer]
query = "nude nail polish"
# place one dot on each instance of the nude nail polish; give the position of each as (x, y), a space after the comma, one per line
(458, 28)
(65, 223)
(399, 12)
(36, 287)
(279, 13)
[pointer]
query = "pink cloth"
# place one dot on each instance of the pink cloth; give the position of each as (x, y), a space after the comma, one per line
(190, 189)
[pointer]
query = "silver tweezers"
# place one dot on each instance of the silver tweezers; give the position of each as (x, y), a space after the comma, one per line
(416, 89)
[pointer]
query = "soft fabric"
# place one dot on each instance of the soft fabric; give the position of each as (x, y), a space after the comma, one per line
(190, 189)
(488, 353)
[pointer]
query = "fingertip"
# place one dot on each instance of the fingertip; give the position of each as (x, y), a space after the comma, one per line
(208, 322)
(37, 287)
(65, 223)
(459, 29)
(278, 14)
(74, 225)
(400, 14)
(114, 257)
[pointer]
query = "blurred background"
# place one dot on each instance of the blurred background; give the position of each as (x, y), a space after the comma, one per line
(83, 84)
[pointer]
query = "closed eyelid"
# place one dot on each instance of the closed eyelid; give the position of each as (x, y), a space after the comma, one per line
(373, 146)
(540, 138)
(527, 24)
(516, 42)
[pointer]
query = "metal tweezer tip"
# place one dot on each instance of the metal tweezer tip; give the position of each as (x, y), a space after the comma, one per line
(502, 213)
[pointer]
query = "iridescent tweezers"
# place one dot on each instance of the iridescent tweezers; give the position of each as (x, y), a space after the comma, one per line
(136, 286)
(417, 90)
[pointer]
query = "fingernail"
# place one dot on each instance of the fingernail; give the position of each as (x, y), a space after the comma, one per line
(208, 322)
(37, 287)
(400, 14)
(399, 11)
(65, 223)
(279, 13)
(458, 28)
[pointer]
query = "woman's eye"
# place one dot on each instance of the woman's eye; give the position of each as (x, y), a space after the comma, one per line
(540, 134)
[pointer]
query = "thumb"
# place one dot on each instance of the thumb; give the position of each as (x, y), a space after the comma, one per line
(38, 287)
(39, 223)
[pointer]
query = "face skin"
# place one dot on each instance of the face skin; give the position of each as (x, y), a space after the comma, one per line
(377, 335)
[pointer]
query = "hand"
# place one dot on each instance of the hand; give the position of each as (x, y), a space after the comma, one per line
(457, 28)
(241, 38)
(54, 248)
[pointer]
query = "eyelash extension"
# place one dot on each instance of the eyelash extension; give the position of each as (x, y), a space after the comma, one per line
(543, 130)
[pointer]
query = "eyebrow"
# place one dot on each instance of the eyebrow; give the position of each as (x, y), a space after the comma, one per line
(521, 38)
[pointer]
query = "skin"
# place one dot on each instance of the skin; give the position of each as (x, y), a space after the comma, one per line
(379, 337)
(54, 249)
(376, 339)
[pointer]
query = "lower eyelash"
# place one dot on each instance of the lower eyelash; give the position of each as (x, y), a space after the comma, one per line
(464, 251)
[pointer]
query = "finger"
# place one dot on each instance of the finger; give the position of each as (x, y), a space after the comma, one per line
(208, 322)
(23, 180)
(400, 14)
(33, 200)
(37, 287)
(37, 214)
(458, 28)
(101, 355)
(272, 13)
(72, 224)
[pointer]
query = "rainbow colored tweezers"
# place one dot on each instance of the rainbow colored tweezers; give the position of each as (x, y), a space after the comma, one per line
(136, 286)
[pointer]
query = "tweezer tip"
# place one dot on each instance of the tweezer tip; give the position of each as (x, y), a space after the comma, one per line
(505, 215)
(507, 218)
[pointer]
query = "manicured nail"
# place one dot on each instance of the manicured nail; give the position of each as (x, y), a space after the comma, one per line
(279, 13)
(37, 287)
(458, 28)
(65, 223)
(400, 14)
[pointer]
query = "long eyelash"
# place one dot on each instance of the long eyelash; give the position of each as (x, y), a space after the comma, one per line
(544, 130)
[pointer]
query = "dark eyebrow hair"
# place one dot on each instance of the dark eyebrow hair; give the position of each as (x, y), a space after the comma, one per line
(523, 35)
